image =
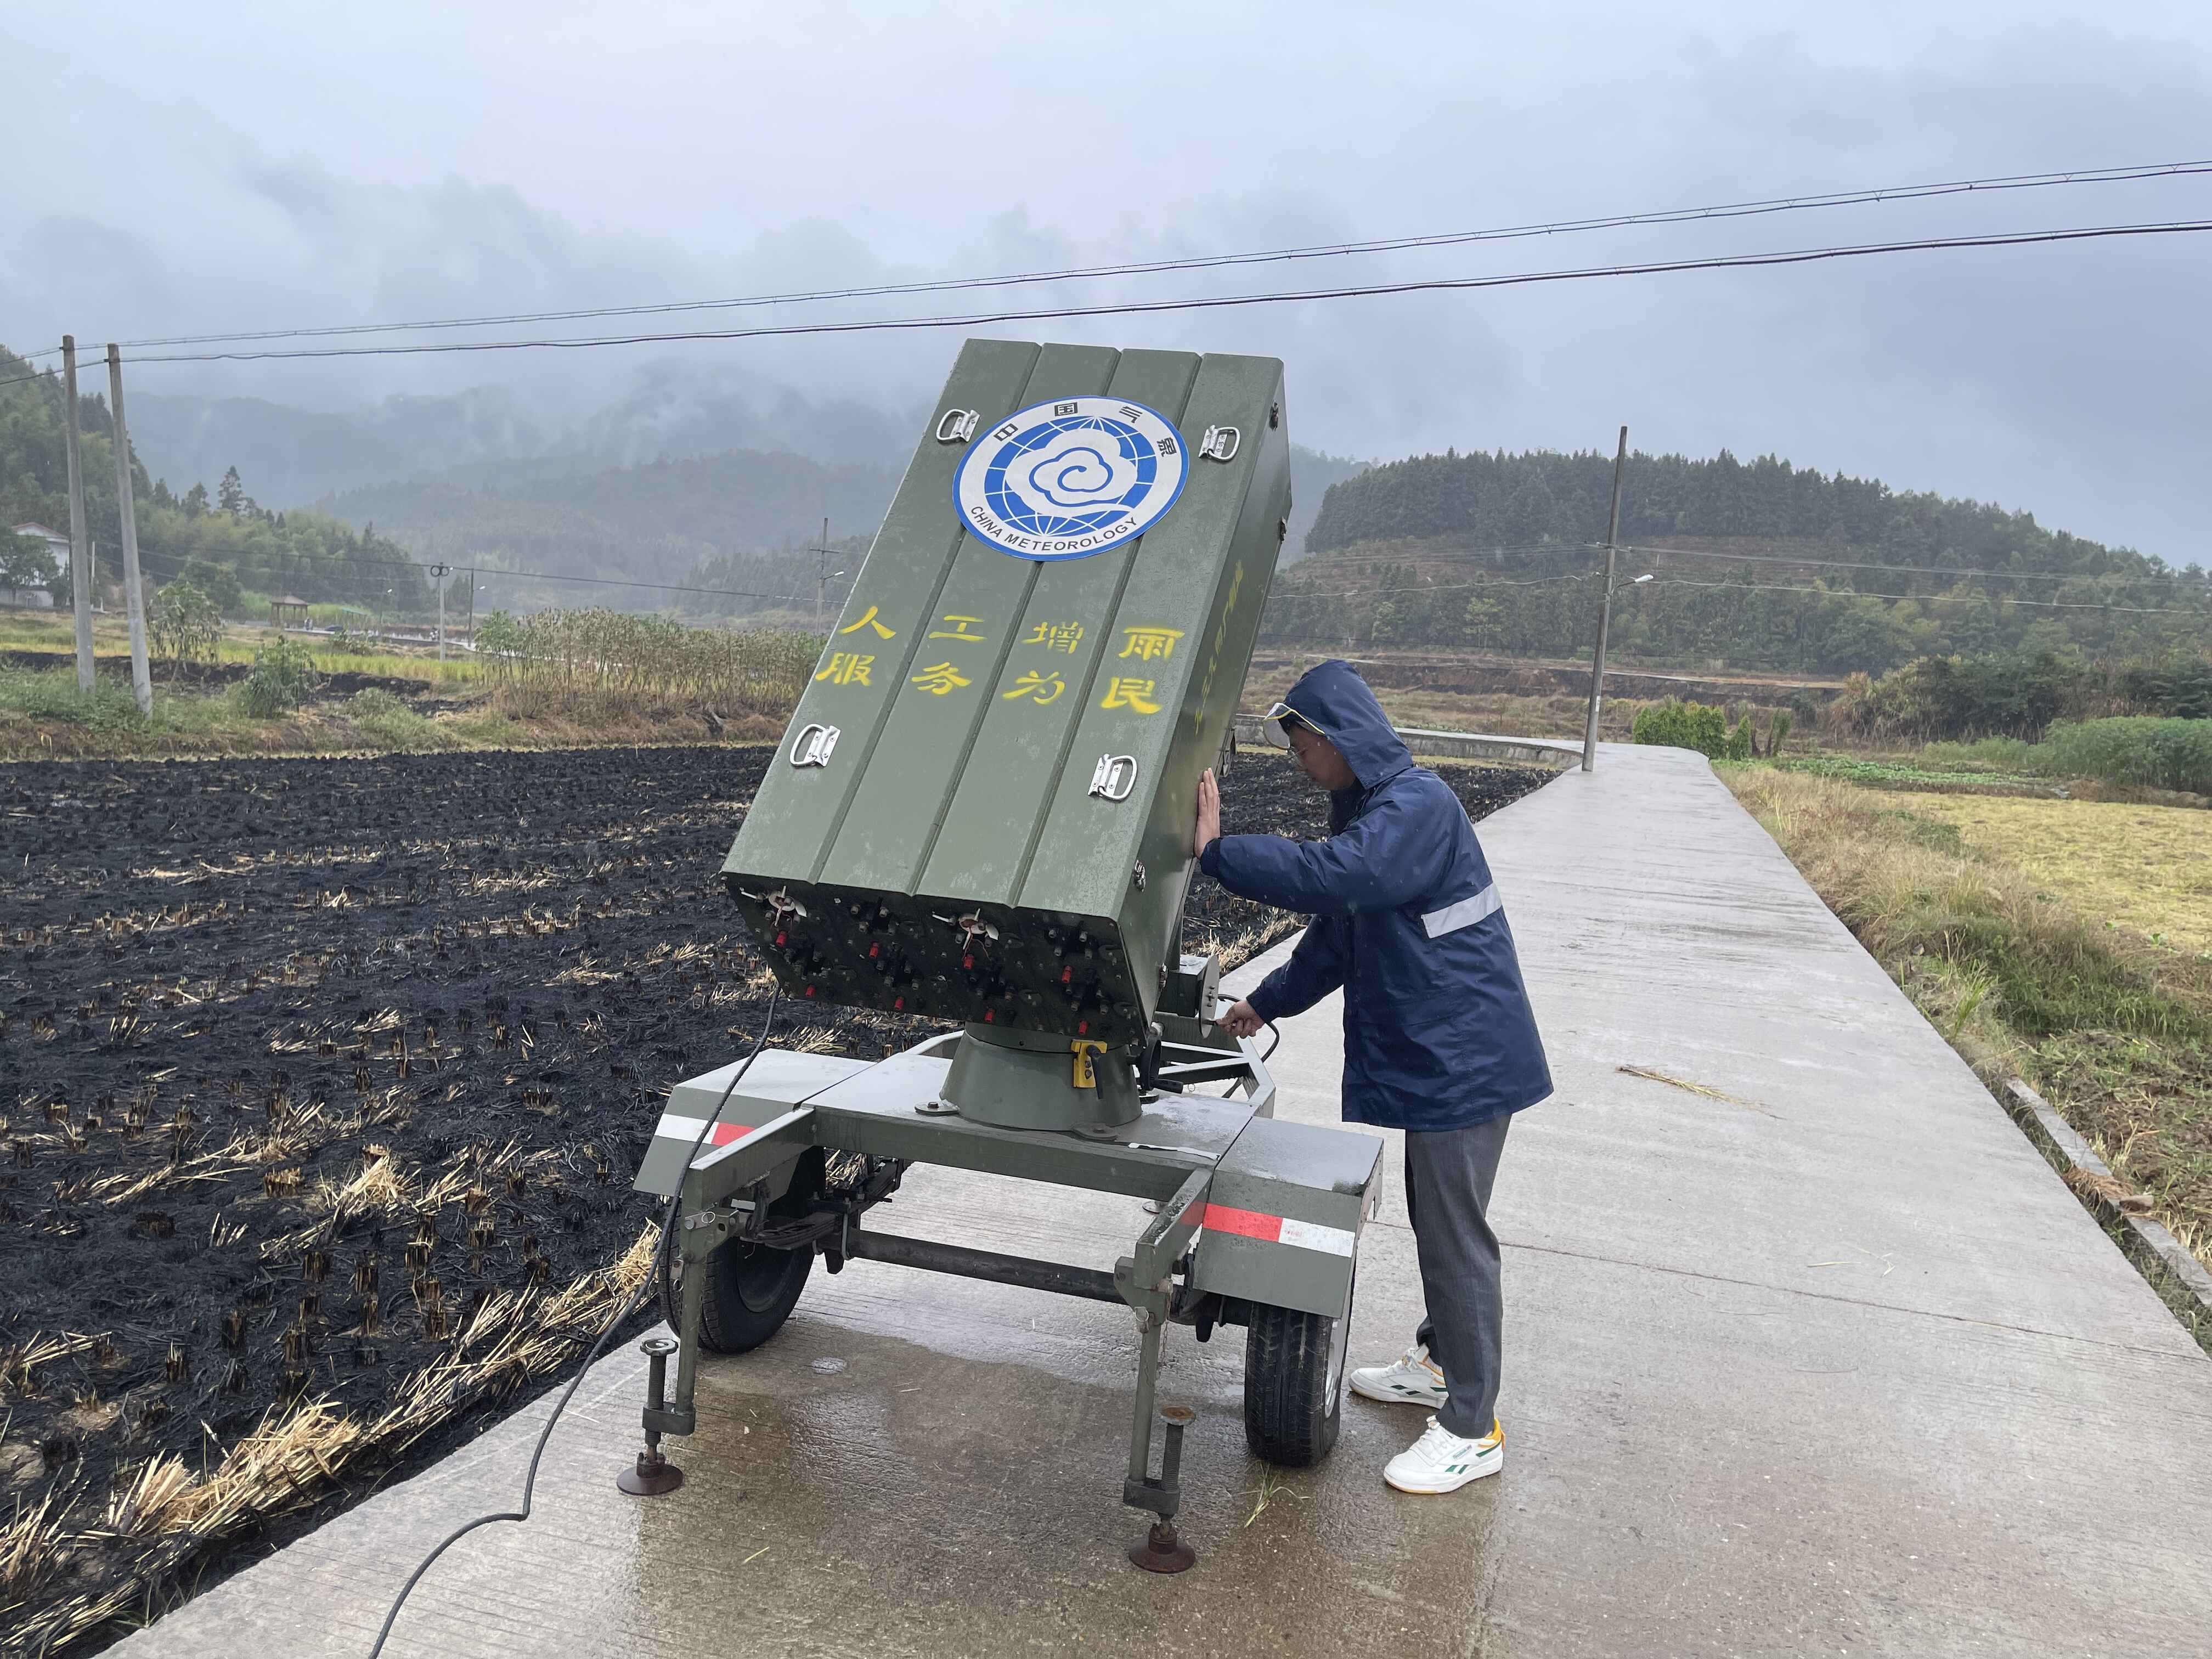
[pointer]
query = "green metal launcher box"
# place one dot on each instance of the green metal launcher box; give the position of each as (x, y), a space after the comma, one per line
(982, 808)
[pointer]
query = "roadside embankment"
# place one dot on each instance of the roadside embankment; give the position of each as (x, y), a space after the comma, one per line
(2025, 948)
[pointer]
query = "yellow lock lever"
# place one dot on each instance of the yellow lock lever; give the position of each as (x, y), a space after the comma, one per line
(1087, 1074)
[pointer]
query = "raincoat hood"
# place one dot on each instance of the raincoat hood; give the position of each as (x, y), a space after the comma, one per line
(1335, 701)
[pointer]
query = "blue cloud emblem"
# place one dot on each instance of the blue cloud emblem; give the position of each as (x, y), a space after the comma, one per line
(1074, 471)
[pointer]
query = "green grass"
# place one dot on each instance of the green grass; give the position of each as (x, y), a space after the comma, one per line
(454, 671)
(52, 694)
(43, 630)
(395, 726)
(1853, 769)
(2158, 754)
(2011, 755)
(2130, 750)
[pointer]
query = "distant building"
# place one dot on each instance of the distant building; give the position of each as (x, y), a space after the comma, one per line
(57, 543)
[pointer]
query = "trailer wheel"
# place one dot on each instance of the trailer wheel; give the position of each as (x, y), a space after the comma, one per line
(1293, 1384)
(750, 1291)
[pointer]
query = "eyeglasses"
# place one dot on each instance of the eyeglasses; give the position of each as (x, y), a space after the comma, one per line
(1274, 724)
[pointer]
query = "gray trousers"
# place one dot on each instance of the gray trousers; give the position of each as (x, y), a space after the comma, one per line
(1447, 1178)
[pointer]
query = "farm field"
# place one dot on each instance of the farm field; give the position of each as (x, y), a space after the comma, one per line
(2145, 868)
(556, 679)
(325, 1080)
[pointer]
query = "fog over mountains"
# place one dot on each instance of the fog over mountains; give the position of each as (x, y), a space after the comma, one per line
(292, 457)
(684, 466)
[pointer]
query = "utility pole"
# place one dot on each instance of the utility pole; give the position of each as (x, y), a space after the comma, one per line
(80, 540)
(1605, 611)
(438, 571)
(821, 576)
(134, 588)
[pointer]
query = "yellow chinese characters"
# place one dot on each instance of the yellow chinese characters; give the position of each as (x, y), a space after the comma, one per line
(1039, 688)
(868, 620)
(958, 630)
(1056, 636)
(1135, 695)
(1149, 644)
(939, 681)
(846, 668)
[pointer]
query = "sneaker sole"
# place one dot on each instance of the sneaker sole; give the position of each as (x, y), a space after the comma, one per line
(1433, 1402)
(1437, 1492)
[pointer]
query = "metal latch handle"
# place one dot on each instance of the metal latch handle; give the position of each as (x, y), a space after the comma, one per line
(1221, 443)
(812, 745)
(958, 426)
(1114, 777)
(1085, 1070)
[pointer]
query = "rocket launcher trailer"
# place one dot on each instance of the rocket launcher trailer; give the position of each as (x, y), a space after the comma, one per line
(981, 812)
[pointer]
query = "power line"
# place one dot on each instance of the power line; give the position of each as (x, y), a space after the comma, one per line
(1437, 587)
(1729, 262)
(330, 564)
(2182, 577)
(335, 563)
(2185, 579)
(1929, 599)
(1287, 593)
(1204, 262)
(1797, 256)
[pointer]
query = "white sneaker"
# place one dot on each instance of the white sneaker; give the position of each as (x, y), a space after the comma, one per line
(1441, 1460)
(1412, 1379)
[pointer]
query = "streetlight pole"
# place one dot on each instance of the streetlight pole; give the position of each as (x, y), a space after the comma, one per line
(437, 574)
(134, 583)
(80, 537)
(1605, 610)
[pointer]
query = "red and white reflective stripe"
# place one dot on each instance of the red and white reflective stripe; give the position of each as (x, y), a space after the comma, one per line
(1278, 1229)
(686, 1129)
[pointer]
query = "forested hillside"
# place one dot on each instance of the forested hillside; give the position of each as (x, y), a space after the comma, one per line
(1757, 565)
(226, 537)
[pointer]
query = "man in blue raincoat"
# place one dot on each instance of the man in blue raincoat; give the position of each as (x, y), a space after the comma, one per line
(1438, 1037)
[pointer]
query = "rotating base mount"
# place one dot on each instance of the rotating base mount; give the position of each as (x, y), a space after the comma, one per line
(1016, 1079)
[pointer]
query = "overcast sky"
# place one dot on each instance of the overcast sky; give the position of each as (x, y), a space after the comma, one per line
(182, 168)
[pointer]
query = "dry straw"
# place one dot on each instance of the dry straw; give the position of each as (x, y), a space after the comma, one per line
(162, 1514)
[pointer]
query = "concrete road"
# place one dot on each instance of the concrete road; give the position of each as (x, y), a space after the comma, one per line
(1825, 1360)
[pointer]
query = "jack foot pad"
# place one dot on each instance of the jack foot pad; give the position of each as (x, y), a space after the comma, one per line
(653, 1477)
(1163, 1552)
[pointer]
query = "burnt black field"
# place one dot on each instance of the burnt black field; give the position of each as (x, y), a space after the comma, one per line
(306, 1062)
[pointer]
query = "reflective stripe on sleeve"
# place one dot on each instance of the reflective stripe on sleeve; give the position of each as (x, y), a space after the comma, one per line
(1464, 914)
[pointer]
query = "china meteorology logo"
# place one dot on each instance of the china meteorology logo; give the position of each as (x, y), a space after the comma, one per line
(1068, 478)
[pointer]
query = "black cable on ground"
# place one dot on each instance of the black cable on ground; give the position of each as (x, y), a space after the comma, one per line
(651, 1282)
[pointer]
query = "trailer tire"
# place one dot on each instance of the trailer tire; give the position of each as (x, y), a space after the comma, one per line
(750, 1291)
(1293, 1385)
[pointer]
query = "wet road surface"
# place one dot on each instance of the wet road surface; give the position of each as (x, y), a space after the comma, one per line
(1831, 1363)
